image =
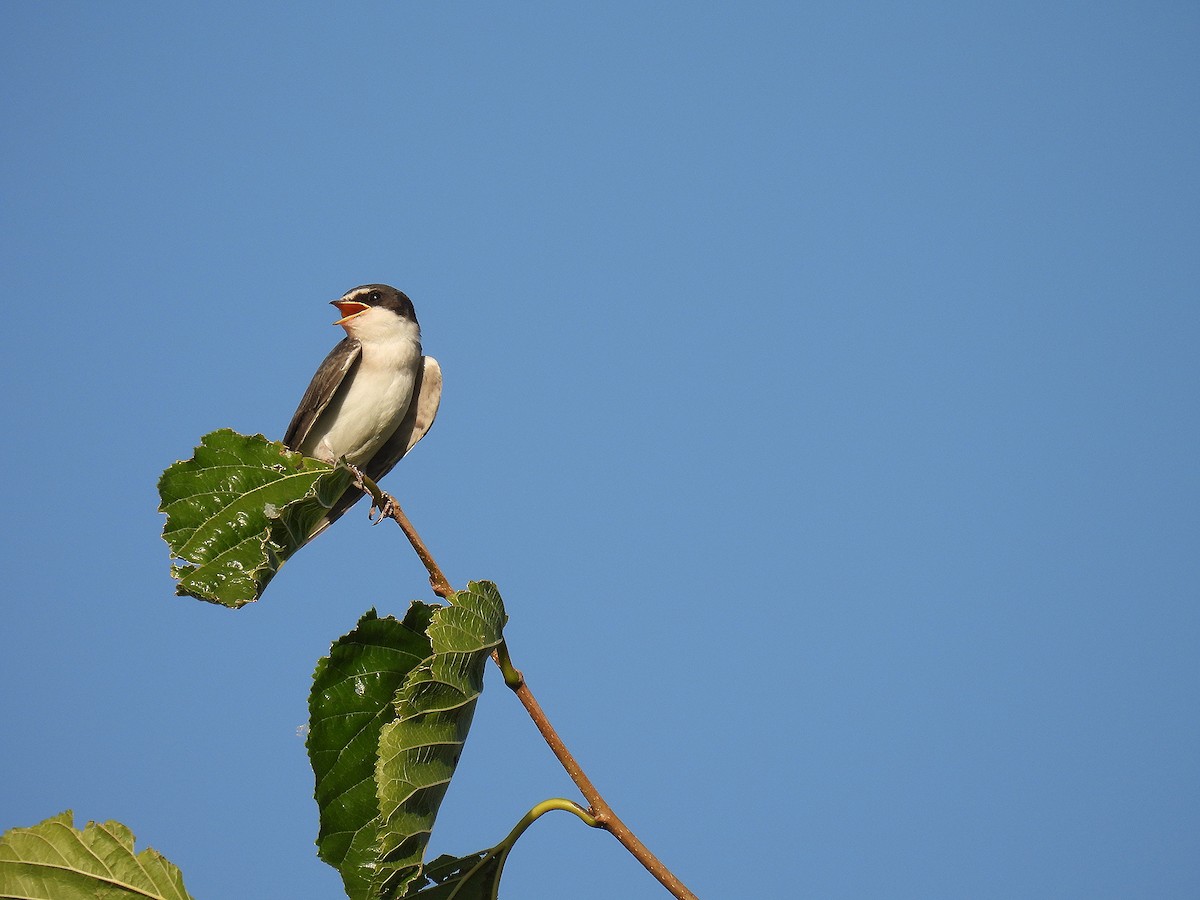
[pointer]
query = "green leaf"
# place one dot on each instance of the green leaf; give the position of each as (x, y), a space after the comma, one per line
(477, 876)
(55, 861)
(473, 877)
(238, 509)
(351, 700)
(419, 750)
(390, 709)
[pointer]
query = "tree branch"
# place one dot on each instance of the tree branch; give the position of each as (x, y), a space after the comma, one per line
(599, 808)
(389, 508)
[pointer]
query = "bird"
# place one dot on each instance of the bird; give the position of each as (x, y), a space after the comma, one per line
(374, 396)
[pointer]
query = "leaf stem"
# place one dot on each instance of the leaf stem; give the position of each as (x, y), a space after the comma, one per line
(544, 807)
(512, 675)
(501, 850)
(599, 811)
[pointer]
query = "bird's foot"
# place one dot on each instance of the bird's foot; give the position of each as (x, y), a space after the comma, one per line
(385, 511)
(389, 502)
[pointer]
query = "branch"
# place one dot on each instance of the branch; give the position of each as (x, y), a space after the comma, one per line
(389, 508)
(599, 809)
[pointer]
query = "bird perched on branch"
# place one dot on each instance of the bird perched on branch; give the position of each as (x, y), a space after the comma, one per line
(374, 396)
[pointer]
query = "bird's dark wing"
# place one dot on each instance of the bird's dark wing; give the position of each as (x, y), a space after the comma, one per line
(422, 410)
(332, 372)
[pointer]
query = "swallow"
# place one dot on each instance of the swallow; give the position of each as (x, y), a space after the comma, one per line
(373, 397)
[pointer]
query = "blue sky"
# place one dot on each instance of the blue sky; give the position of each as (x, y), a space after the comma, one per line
(821, 390)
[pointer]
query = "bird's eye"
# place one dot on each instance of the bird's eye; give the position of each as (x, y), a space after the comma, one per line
(375, 296)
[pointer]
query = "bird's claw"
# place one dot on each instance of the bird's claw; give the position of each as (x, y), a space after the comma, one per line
(389, 504)
(385, 511)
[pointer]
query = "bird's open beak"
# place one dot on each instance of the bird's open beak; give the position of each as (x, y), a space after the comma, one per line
(349, 309)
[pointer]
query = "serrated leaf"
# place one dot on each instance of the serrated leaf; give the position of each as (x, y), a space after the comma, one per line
(352, 699)
(238, 509)
(472, 877)
(55, 861)
(419, 750)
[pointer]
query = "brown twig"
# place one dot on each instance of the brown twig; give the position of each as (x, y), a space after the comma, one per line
(388, 507)
(598, 808)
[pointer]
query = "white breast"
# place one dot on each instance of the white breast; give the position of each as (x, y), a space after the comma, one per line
(372, 404)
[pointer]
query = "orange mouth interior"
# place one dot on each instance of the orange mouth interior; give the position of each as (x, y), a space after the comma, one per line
(349, 309)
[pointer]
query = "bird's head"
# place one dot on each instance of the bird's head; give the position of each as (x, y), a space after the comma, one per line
(376, 311)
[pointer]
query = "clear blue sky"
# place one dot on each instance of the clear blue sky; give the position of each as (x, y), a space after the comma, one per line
(821, 391)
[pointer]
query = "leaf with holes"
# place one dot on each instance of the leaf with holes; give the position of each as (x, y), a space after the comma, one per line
(473, 877)
(238, 509)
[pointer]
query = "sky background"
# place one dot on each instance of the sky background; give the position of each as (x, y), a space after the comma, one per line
(821, 392)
